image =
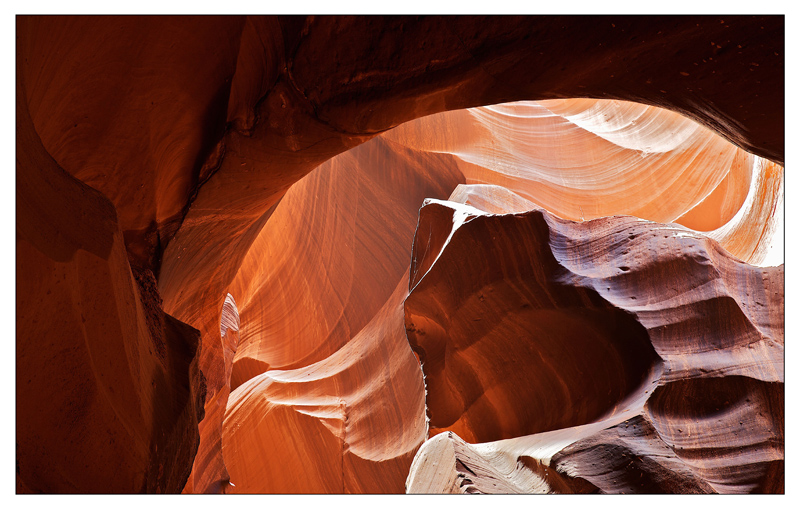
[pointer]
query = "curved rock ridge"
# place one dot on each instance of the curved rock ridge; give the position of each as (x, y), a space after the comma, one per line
(331, 254)
(320, 267)
(518, 348)
(317, 275)
(582, 159)
(701, 447)
(447, 464)
(742, 191)
(755, 234)
(350, 423)
(270, 81)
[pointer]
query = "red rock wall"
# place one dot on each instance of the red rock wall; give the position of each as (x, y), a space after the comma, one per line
(172, 151)
(108, 390)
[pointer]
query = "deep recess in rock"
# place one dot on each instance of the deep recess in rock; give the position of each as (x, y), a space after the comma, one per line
(472, 254)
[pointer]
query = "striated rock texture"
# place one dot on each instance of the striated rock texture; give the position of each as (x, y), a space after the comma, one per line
(583, 159)
(350, 423)
(214, 228)
(323, 343)
(635, 356)
(326, 272)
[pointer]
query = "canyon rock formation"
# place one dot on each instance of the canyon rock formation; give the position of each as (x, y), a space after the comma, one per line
(284, 254)
(102, 372)
(639, 357)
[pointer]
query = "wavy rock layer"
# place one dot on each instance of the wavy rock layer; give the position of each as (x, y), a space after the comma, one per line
(317, 270)
(350, 423)
(320, 268)
(331, 254)
(639, 357)
(321, 292)
(583, 159)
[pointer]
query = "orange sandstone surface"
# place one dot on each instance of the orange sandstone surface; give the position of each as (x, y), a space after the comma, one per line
(268, 254)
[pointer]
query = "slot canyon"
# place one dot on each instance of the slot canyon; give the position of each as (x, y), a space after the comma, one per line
(399, 254)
